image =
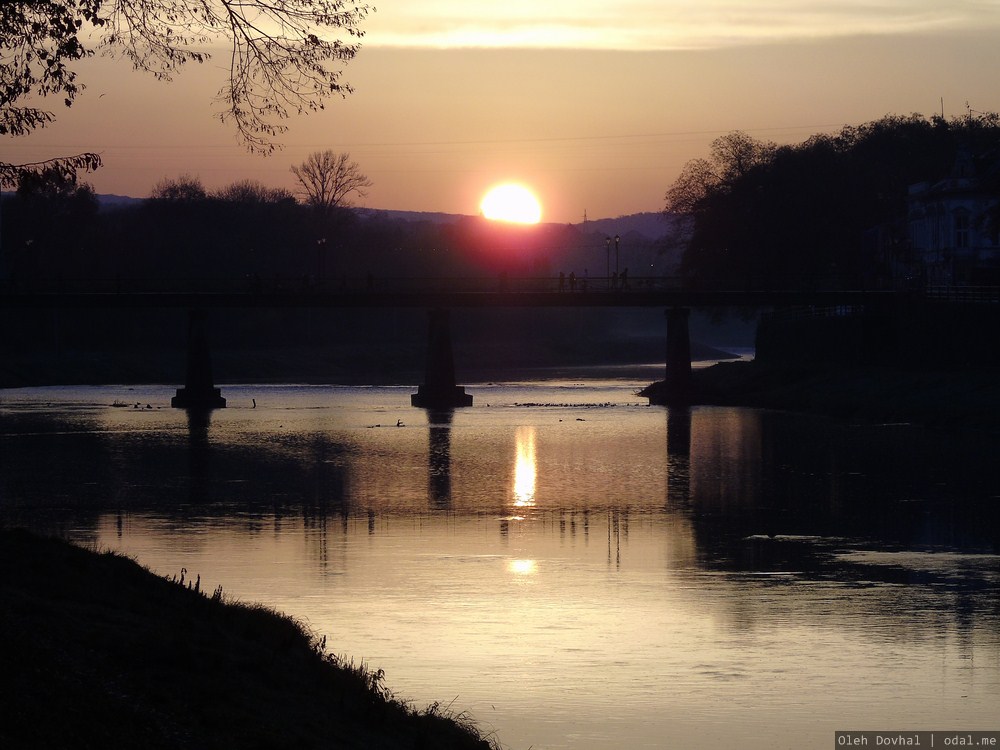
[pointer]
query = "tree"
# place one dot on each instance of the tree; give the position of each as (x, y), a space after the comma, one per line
(327, 180)
(252, 192)
(49, 226)
(799, 214)
(733, 157)
(279, 65)
(39, 40)
(183, 188)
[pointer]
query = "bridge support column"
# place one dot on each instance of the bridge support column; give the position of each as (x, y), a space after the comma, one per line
(439, 390)
(677, 383)
(198, 392)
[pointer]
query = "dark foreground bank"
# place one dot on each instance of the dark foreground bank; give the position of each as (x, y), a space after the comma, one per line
(959, 398)
(97, 652)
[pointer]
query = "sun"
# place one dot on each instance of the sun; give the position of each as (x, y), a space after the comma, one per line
(511, 202)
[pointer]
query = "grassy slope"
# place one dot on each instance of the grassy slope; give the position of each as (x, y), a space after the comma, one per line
(97, 652)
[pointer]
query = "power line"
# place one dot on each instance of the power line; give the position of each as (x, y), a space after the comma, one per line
(479, 142)
(625, 136)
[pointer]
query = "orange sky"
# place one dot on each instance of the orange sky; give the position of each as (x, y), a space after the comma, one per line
(597, 106)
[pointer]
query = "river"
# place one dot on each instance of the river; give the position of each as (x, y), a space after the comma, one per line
(561, 562)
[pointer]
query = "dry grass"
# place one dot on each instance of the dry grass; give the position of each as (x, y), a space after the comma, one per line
(96, 651)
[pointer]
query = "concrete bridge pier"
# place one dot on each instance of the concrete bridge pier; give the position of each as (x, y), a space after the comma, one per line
(677, 383)
(439, 390)
(198, 392)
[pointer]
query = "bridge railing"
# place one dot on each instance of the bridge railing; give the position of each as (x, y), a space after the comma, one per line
(387, 285)
(977, 294)
(813, 311)
(347, 284)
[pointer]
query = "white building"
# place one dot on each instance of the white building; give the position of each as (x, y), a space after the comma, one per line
(951, 239)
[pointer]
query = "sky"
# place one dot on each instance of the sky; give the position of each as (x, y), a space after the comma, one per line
(596, 106)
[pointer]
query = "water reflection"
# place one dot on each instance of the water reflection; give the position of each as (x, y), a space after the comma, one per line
(617, 535)
(678, 457)
(525, 468)
(199, 421)
(439, 457)
(704, 567)
(199, 456)
(522, 567)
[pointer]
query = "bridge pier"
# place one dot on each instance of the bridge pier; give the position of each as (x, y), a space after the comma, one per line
(198, 392)
(677, 383)
(439, 390)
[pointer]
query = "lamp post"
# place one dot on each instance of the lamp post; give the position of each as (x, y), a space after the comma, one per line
(320, 259)
(617, 243)
(607, 246)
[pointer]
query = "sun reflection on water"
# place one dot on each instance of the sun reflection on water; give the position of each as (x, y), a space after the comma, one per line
(525, 469)
(522, 567)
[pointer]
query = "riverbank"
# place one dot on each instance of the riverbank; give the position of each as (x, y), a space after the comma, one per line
(370, 365)
(98, 652)
(963, 398)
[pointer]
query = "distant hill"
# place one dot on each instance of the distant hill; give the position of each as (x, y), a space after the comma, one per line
(109, 202)
(649, 225)
(432, 217)
(105, 202)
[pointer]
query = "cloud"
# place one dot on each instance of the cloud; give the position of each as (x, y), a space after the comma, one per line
(661, 25)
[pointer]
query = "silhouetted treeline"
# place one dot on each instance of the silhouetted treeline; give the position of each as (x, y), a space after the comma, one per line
(234, 240)
(258, 240)
(770, 217)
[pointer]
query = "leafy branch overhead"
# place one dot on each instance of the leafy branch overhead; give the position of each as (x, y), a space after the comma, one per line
(285, 56)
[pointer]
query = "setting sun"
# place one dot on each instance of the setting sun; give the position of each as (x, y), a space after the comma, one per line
(511, 202)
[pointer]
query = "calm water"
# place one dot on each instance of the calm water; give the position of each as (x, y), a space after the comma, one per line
(571, 567)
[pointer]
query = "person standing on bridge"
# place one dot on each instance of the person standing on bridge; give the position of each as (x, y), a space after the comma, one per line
(572, 281)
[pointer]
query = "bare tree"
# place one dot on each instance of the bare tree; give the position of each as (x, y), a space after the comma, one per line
(279, 64)
(732, 157)
(252, 192)
(327, 180)
(183, 188)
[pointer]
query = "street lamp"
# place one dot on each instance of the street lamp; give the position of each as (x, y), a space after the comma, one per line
(617, 243)
(607, 245)
(320, 259)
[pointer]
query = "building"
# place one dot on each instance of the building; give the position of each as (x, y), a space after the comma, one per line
(953, 227)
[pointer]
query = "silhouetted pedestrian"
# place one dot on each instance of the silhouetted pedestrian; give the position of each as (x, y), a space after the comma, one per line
(572, 281)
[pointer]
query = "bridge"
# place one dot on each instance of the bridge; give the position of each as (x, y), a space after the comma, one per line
(419, 292)
(436, 295)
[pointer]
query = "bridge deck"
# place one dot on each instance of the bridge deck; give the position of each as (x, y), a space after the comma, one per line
(429, 293)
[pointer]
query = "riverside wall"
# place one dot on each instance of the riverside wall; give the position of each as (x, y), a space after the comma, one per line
(914, 333)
